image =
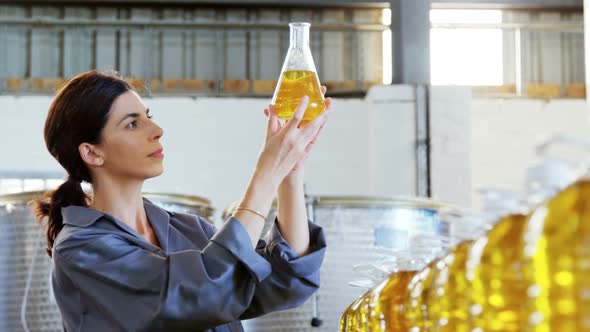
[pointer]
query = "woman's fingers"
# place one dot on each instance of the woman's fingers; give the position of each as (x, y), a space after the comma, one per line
(290, 145)
(298, 115)
(312, 129)
(328, 103)
(273, 111)
(324, 89)
(314, 141)
(273, 125)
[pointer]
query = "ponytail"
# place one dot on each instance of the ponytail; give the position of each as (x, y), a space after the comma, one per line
(68, 193)
(77, 115)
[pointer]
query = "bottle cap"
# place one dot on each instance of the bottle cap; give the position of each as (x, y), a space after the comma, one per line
(550, 175)
(502, 201)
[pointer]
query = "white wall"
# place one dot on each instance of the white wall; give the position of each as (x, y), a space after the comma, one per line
(504, 133)
(367, 149)
(450, 141)
(211, 144)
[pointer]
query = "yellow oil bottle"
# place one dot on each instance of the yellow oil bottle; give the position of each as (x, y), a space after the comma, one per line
(557, 266)
(352, 319)
(389, 303)
(435, 298)
(451, 291)
(419, 289)
(497, 281)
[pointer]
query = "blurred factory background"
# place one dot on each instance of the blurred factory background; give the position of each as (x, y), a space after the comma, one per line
(209, 68)
(433, 98)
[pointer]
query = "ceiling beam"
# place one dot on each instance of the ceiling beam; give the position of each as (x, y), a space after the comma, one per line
(507, 4)
(524, 4)
(233, 3)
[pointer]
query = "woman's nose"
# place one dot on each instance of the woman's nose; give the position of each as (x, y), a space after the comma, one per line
(158, 132)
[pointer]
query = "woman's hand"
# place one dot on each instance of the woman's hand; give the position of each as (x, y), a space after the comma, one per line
(297, 173)
(286, 146)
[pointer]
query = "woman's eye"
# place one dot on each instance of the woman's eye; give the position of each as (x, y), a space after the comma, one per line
(149, 116)
(132, 125)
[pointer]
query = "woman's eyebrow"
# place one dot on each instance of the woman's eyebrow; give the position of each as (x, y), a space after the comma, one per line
(133, 115)
(130, 115)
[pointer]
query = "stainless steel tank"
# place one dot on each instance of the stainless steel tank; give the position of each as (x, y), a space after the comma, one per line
(26, 298)
(355, 228)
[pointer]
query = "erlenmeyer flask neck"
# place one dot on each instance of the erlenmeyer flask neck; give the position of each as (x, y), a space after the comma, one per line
(299, 35)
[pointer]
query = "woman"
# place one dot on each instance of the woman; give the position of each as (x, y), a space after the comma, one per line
(120, 263)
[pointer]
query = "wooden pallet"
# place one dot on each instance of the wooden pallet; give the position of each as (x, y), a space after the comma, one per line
(236, 86)
(178, 85)
(15, 84)
(46, 84)
(495, 90)
(264, 86)
(547, 91)
(183, 85)
(576, 91)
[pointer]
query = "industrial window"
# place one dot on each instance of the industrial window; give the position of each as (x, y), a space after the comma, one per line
(186, 49)
(466, 56)
(512, 52)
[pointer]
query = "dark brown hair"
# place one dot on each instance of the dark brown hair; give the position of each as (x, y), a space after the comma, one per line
(77, 115)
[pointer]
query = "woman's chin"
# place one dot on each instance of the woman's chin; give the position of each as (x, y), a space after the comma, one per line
(155, 172)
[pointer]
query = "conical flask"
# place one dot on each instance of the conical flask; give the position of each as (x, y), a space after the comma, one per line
(298, 78)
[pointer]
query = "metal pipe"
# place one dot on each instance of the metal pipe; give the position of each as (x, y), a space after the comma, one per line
(423, 167)
(48, 22)
(518, 61)
(310, 202)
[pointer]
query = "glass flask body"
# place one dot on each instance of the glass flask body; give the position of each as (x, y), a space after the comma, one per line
(298, 78)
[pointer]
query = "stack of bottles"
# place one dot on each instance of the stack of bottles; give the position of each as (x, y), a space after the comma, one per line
(526, 269)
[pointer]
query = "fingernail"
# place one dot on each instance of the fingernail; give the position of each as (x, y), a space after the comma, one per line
(305, 98)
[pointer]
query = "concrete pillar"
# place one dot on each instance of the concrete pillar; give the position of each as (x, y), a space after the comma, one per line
(587, 45)
(410, 25)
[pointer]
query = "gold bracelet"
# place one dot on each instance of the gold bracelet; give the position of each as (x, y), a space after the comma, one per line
(250, 210)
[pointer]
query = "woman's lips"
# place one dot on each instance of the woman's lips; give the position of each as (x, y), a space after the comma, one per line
(157, 154)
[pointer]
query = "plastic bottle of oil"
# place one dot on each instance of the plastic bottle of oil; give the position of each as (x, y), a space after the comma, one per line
(298, 78)
(383, 307)
(517, 280)
(494, 266)
(557, 261)
(421, 285)
(388, 303)
(357, 315)
(399, 303)
(496, 275)
(452, 291)
(352, 318)
(445, 298)
(417, 314)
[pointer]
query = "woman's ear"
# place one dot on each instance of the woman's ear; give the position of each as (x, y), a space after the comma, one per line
(90, 154)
